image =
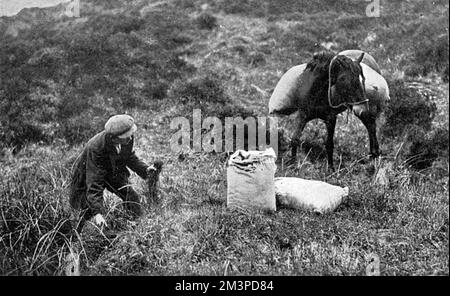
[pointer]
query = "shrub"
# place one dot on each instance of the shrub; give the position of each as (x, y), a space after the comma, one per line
(432, 53)
(23, 117)
(245, 7)
(80, 128)
(413, 70)
(92, 52)
(426, 148)
(206, 21)
(256, 59)
(47, 62)
(155, 90)
(352, 22)
(165, 27)
(182, 39)
(109, 24)
(445, 73)
(302, 41)
(234, 111)
(202, 91)
(407, 107)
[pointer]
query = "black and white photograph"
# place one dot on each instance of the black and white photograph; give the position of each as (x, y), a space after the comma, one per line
(224, 144)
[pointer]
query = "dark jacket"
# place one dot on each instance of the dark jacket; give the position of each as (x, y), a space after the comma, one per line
(98, 163)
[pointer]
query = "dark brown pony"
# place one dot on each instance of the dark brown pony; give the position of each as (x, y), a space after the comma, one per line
(338, 85)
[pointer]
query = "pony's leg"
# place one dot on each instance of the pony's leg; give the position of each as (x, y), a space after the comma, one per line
(369, 122)
(295, 142)
(329, 145)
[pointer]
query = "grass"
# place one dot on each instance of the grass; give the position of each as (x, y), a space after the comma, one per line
(197, 235)
(231, 58)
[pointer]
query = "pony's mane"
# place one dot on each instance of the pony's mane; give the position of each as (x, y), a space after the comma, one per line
(321, 61)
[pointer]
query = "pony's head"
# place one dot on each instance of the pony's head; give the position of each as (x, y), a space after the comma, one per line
(346, 83)
(343, 77)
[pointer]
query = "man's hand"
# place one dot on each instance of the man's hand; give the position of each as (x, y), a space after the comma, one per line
(158, 165)
(99, 220)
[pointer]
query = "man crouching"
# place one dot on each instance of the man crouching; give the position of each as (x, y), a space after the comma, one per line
(104, 163)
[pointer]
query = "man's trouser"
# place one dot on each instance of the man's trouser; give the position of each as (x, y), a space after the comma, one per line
(119, 186)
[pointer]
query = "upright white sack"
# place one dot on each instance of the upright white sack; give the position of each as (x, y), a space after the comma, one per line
(250, 180)
(316, 196)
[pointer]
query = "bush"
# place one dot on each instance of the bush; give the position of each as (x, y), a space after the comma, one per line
(234, 111)
(414, 70)
(166, 27)
(206, 21)
(425, 148)
(202, 91)
(256, 59)
(155, 90)
(302, 42)
(407, 107)
(93, 53)
(109, 24)
(432, 53)
(23, 117)
(445, 74)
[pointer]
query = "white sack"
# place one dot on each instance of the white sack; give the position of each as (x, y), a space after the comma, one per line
(376, 85)
(377, 90)
(312, 195)
(354, 54)
(292, 86)
(250, 180)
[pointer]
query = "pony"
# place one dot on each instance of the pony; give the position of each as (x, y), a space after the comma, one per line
(328, 85)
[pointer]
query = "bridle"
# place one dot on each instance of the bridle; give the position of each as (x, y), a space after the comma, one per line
(345, 104)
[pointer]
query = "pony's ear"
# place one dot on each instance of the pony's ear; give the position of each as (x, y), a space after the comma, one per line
(359, 60)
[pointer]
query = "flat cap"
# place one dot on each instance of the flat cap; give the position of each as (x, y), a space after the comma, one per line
(121, 126)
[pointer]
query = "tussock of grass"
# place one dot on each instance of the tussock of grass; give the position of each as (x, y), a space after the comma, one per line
(34, 224)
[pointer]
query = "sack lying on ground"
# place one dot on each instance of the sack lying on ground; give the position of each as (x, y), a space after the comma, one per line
(312, 195)
(250, 180)
(292, 86)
